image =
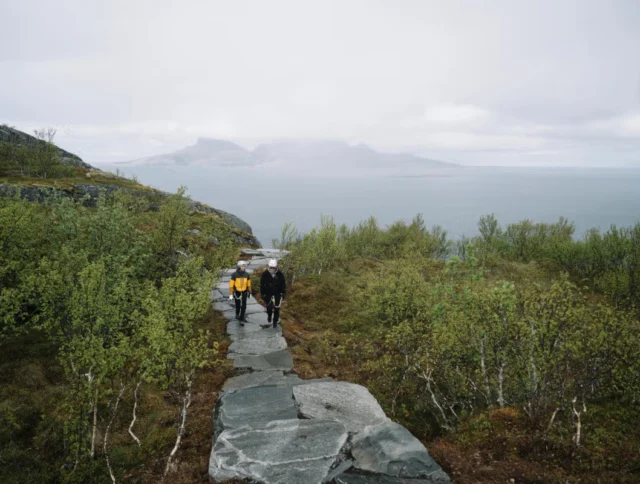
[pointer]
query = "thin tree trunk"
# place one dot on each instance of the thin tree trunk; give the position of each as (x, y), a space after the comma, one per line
(95, 424)
(186, 401)
(553, 417)
(483, 368)
(105, 442)
(133, 420)
(578, 424)
(500, 383)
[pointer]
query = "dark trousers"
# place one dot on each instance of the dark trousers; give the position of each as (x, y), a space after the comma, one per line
(241, 303)
(273, 307)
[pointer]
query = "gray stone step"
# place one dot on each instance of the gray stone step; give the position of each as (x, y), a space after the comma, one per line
(257, 346)
(254, 406)
(265, 378)
(253, 379)
(230, 312)
(253, 333)
(236, 331)
(390, 449)
(278, 360)
(281, 452)
(348, 403)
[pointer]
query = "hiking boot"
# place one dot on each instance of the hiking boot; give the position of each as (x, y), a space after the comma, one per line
(275, 324)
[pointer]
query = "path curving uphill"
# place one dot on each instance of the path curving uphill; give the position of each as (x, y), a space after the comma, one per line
(272, 427)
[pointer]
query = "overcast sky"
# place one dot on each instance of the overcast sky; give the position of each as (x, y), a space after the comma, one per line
(476, 82)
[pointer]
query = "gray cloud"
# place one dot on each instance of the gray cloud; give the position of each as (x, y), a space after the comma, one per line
(501, 82)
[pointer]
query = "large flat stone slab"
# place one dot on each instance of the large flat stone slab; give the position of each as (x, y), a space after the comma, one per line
(254, 406)
(278, 360)
(230, 311)
(237, 332)
(438, 477)
(348, 403)
(258, 318)
(224, 305)
(283, 452)
(257, 346)
(253, 333)
(388, 448)
(223, 287)
(253, 379)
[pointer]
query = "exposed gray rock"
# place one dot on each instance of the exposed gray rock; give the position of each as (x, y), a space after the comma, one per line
(390, 449)
(283, 452)
(257, 346)
(254, 406)
(278, 360)
(193, 232)
(348, 403)
(233, 220)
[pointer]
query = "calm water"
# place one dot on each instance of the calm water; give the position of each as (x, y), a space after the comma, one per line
(454, 199)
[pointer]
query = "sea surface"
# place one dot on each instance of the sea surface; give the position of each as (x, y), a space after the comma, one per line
(453, 198)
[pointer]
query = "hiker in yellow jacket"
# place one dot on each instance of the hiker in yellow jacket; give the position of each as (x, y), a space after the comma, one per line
(240, 290)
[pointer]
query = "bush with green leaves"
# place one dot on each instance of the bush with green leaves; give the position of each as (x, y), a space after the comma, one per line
(104, 289)
(525, 317)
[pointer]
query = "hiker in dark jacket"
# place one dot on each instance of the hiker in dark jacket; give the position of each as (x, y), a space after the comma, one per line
(273, 289)
(240, 289)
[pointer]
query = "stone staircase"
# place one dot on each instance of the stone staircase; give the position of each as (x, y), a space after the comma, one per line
(271, 427)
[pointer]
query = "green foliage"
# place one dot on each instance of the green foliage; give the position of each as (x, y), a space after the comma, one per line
(524, 319)
(103, 289)
(39, 159)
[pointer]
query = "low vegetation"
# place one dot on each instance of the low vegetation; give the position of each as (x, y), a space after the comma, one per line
(519, 346)
(108, 346)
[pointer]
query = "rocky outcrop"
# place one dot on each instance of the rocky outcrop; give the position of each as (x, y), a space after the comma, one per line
(273, 427)
(12, 135)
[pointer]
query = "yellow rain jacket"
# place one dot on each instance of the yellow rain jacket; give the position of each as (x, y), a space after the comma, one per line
(240, 281)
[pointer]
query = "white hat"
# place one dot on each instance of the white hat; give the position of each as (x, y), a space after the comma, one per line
(273, 263)
(242, 263)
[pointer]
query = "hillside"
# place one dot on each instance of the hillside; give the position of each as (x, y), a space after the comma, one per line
(109, 351)
(327, 154)
(19, 138)
(80, 181)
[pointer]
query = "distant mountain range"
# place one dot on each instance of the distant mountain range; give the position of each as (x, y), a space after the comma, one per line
(296, 153)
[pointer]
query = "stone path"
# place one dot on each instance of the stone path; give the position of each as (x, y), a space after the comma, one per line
(272, 427)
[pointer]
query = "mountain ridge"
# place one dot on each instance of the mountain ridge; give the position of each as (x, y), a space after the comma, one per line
(293, 152)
